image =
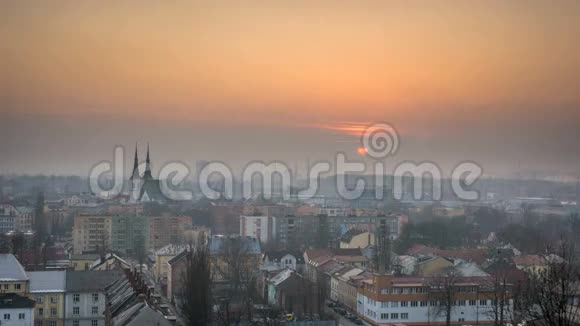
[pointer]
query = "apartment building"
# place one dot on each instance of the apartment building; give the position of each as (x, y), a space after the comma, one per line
(47, 290)
(85, 296)
(91, 232)
(259, 227)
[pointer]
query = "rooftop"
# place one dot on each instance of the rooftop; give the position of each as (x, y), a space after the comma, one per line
(10, 269)
(14, 301)
(51, 281)
(85, 281)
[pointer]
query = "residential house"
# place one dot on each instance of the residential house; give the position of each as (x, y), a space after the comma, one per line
(293, 293)
(176, 268)
(162, 257)
(281, 259)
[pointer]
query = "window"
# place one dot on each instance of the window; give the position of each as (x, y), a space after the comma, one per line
(394, 304)
(52, 323)
(423, 303)
(462, 302)
(94, 322)
(76, 323)
(76, 311)
(39, 299)
(21, 316)
(385, 291)
(95, 297)
(76, 298)
(414, 291)
(94, 310)
(17, 286)
(461, 319)
(405, 290)
(384, 316)
(433, 303)
(6, 316)
(39, 323)
(414, 303)
(483, 302)
(394, 315)
(404, 315)
(404, 303)
(395, 291)
(40, 311)
(54, 299)
(384, 304)
(472, 302)
(6, 286)
(53, 311)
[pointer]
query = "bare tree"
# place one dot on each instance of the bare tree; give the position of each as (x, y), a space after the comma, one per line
(499, 290)
(195, 296)
(443, 291)
(553, 292)
(236, 272)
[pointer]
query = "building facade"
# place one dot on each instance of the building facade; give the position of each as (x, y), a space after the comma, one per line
(47, 290)
(387, 300)
(91, 233)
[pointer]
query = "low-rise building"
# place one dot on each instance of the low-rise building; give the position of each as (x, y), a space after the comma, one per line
(387, 300)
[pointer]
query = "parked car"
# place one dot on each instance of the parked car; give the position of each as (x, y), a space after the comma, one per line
(358, 322)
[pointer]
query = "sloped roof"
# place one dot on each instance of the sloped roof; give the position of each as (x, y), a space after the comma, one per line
(278, 254)
(529, 260)
(218, 244)
(350, 234)
(10, 269)
(48, 281)
(84, 281)
(15, 301)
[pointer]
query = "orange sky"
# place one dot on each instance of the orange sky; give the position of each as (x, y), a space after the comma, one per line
(426, 66)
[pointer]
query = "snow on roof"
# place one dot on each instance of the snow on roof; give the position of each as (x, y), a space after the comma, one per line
(50, 281)
(10, 269)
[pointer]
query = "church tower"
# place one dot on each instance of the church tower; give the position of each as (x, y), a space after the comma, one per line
(136, 181)
(147, 175)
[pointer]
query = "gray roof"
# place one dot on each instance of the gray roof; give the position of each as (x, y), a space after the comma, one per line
(50, 281)
(141, 314)
(15, 301)
(86, 281)
(220, 244)
(10, 269)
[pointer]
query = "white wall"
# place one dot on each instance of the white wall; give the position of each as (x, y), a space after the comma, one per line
(14, 318)
(85, 309)
(468, 314)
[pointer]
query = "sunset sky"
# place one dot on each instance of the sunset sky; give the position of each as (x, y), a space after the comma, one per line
(497, 82)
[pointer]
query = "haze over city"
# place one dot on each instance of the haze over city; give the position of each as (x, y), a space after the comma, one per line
(493, 82)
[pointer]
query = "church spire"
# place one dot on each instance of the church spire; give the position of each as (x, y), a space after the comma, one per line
(147, 174)
(135, 174)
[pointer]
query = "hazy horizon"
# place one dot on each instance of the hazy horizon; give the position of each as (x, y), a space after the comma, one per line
(491, 82)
